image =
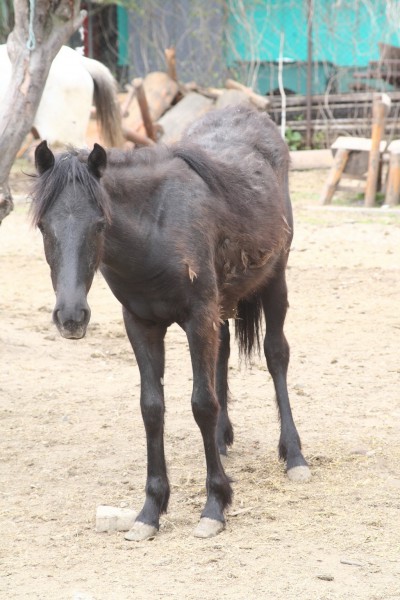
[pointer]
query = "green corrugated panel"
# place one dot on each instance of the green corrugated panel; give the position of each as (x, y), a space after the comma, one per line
(123, 36)
(345, 32)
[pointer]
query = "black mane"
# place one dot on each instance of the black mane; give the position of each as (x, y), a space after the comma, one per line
(68, 167)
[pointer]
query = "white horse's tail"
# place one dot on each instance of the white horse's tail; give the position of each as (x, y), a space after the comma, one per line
(106, 102)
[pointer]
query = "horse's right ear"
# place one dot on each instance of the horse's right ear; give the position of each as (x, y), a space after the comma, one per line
(97, 161)
(44, 158)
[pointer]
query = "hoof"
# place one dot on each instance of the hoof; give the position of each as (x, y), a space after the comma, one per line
(299, 474)
(208, 528)
(141, 531)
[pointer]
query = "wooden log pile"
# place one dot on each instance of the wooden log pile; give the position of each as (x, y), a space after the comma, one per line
(158, 107)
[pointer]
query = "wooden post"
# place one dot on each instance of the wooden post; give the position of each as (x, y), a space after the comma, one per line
(144, 108)
(380, 109)
(170, 58)
(334, 175)
(393, 186)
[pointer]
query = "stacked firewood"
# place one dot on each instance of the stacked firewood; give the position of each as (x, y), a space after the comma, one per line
(158, 107)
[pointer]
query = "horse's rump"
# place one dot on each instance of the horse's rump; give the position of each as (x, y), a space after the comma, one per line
(239, 132)
(74, 82)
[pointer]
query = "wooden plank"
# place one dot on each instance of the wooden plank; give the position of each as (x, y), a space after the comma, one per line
(334, 176)
(259, 101)
(330, 98)
(182, 114)
(231, 98)
(365, 106)
(361, 144)
(208, 92)
(344, 125)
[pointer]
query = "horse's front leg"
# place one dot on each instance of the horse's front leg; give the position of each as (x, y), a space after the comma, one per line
(203, 336)
(147, 341)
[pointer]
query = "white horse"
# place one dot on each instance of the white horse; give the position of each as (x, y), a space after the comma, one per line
(74, 83)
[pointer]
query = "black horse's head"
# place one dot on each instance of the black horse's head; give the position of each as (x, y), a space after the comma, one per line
(70, 207)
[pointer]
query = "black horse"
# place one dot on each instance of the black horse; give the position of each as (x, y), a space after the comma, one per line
(193, 234)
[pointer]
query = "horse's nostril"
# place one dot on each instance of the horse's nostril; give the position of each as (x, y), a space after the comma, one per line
(85, 315)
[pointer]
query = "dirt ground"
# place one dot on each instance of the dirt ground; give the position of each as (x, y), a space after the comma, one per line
(71, 434)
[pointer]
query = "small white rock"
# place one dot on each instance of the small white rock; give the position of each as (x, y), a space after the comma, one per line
(113, 518)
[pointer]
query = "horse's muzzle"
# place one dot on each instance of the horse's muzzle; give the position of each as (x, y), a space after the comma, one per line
(72, 327)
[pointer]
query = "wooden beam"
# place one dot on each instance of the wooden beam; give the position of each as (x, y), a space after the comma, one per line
(380, 109)
(355, 143)
(334, 176)
(261, 102)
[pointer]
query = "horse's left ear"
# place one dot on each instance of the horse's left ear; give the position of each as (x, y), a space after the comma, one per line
(44, 158)
(97, 160)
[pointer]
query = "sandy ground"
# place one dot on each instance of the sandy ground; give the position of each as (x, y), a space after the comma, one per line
(71, 435)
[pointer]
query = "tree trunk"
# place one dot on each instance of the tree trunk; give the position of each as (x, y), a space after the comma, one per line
(53, 21)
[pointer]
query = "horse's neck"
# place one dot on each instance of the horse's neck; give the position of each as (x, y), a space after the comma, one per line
(131, 222)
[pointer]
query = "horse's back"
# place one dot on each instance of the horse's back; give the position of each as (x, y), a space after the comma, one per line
(64, 110)
(237, 132)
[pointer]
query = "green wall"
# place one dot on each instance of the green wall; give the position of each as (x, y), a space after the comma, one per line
(345, 32)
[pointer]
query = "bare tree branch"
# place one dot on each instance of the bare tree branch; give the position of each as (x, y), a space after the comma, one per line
(53, 23)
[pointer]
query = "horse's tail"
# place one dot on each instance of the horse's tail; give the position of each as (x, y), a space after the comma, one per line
(108, 111)
(248, 325)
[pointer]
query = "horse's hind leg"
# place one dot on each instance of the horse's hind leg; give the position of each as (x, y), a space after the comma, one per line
(224, 426)
(147, 341)
(202, 333)
(276, 350)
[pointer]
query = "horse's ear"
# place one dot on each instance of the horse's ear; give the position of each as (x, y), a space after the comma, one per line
(44, 158)
(97, 161)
